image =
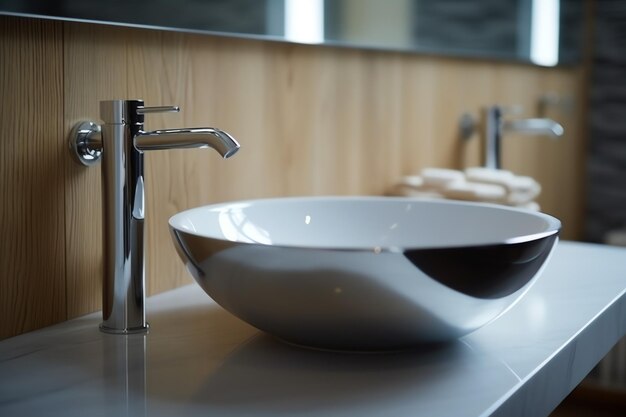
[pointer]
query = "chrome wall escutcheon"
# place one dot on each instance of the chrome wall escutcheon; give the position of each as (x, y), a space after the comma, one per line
(85, 142)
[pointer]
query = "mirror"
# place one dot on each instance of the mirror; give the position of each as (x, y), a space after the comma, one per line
(542, 32)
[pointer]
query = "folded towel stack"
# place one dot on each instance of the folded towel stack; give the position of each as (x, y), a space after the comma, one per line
(473, 184)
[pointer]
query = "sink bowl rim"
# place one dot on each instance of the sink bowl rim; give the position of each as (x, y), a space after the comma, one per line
(553, 225)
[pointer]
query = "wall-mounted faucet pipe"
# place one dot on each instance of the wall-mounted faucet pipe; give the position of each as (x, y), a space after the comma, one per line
(121, 142)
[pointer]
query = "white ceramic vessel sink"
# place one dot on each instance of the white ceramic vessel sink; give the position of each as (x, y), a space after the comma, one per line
(364, 273)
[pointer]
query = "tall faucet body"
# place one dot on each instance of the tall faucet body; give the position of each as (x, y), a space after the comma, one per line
(494, 126)
(123, 292)
(121, 141)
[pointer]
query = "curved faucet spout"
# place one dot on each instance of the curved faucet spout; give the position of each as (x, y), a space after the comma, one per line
(206, 137)
(535, 126)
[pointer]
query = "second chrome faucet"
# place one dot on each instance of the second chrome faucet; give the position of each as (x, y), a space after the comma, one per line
(121, 142)
(493, 126)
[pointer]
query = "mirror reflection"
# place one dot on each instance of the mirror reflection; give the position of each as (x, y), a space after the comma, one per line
(542, 32)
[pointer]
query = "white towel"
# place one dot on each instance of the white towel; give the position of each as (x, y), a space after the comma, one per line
(440, 177)
(491, 193)
(413, 186)
(474, 184)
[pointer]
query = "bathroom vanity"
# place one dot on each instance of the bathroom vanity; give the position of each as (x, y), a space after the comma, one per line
(199, 360)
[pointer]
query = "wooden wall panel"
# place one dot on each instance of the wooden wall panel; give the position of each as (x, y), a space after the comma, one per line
(311, 120)
(160, 66)
(557, 163)
(32, 222)
(94, 69)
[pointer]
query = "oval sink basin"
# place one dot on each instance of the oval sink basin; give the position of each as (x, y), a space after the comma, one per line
(364, 273)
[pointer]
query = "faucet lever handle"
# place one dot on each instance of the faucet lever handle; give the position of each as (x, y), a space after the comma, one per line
(157, 109)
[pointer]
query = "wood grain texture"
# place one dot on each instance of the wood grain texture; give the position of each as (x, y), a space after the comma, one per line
(94, 69)
(32, 243)
(165, 60)
(558, 164)
(311, 120)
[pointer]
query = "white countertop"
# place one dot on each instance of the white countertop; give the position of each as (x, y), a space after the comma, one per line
(198, 360)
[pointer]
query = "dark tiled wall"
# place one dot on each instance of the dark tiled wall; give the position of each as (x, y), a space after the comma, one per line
(606, 191)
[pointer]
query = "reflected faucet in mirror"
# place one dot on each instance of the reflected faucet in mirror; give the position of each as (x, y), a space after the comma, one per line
(121, 142)
(493, 126)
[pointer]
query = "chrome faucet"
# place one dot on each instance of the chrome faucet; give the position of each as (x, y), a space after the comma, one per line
(120, 142)
(494, 126)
